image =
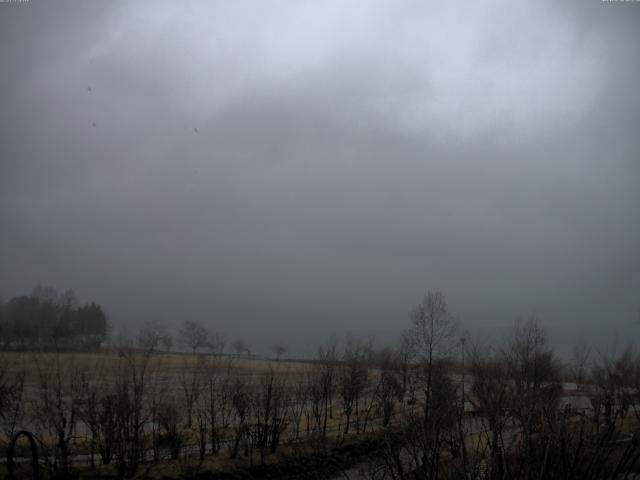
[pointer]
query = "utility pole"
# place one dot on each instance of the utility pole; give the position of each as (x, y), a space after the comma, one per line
(462, 342)
(462, 409)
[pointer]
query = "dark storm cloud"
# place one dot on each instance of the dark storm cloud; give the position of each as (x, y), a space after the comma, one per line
(321, 165)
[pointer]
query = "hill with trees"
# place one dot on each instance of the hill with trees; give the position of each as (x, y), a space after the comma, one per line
(46, 320)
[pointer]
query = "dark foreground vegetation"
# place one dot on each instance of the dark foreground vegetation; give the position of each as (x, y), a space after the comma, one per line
(435, 407)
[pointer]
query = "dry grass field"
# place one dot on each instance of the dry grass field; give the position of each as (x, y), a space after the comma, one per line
(135, 414)
(186, 412)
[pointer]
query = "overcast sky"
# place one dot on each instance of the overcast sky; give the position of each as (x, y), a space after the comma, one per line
(320, 165)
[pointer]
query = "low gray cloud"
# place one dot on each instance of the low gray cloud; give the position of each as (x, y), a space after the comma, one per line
(320, 165)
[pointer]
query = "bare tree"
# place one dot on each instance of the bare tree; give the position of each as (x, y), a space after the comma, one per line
(167, 342)
(535, 377)
(616, 377)
(403, 357)
(430, 339)
(388, 387)
(194, 335)
(242, 406)
(130, 411)
(218, 393)
(171, 434)
(280, 349)
(491, 389)
(68, 299)
(153, 335)
(416, 448)
(328, 360)
(352, 379)
(579, 359)
(57, 406)
(45, 293)
(191, 379)
(298, 407)
(216, 343)
(94, 410)
(11, 397)
(240, 347)
(270, 404)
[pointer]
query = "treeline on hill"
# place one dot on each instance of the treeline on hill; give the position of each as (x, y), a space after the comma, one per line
(435, 407)
(46, 320)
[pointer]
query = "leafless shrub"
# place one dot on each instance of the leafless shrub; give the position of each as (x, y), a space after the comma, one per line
(191, 379)
(617, 377)
(270, 413)
(353, 378)
(56, 407)
(388, 387)
(130, 411)
(241, 402)
(171, 435)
